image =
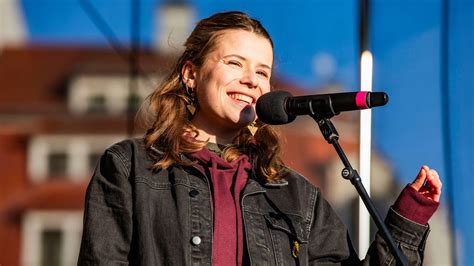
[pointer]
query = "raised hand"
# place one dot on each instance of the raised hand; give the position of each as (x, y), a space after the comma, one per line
(427, 183)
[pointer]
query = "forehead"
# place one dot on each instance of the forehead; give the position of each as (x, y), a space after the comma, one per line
(245, 44)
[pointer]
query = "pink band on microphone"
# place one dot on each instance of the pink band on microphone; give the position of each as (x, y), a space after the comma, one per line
(361, 100)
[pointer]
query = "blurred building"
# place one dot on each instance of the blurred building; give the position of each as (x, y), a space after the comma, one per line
(60, 107)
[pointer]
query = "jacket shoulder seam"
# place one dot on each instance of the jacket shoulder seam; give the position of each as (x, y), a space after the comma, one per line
(114, 150)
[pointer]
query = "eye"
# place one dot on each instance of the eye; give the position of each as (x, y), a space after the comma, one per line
(262, 73)
(234, 63)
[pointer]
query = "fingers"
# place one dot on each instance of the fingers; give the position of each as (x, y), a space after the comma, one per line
(434, 184)
(420, 178)
(428, 183)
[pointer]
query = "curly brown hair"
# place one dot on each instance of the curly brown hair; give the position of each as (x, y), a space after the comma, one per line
(171, 121)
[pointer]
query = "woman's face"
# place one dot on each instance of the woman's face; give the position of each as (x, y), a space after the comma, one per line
(233, 76)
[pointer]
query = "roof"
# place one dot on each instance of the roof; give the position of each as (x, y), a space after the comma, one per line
(34, 78)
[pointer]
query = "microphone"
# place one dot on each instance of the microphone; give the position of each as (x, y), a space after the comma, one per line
(280, 107)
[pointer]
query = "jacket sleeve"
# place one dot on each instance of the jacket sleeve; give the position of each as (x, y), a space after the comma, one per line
(330, 243)
(408, 235)
(108, 224)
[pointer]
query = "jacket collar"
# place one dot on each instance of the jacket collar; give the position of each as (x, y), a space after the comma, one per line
(252, 184)
(276, 183)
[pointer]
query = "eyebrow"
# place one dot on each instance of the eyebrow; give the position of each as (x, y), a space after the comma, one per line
(243, 58)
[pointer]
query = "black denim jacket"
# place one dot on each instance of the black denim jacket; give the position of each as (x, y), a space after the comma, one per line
(139, 217)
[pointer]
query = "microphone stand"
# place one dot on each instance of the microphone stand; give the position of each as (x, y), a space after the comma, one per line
(332, 136)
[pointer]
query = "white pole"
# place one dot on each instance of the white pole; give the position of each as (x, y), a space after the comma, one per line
(364, 152)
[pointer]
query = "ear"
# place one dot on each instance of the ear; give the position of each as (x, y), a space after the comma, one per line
(188, 73)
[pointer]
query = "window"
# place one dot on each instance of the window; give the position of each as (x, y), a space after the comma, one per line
(133, 102)
(51, 238)
(71, 157)
(97, 104)
(57, 164)
(108, 94)
(51, 242)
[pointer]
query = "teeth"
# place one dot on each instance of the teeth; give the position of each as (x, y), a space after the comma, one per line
(241, 97)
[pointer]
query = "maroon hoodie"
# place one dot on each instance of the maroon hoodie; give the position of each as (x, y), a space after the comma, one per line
(228, 180)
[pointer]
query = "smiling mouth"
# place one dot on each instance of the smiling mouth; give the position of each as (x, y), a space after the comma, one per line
(243, 98)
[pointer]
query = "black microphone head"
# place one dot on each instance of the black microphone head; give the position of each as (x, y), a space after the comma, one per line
(378, 99)
(271, 108)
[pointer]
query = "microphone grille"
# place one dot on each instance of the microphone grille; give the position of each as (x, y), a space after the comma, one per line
(378, 99)
(271, 108)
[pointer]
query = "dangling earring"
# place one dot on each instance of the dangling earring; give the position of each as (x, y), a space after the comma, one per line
(252, 128)
(191, 101)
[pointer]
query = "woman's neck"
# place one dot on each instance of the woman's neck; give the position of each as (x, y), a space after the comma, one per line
(215, 131)
(223, 139)
(210, 132)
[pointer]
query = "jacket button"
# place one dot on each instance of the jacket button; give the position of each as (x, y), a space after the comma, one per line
(193, 193)
(196, 240)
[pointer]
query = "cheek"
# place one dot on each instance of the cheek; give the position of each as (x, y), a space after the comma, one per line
(209, 98)
(204, 88)
(205, 99)
(265, 89)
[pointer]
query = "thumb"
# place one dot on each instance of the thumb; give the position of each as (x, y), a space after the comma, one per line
(420, 178)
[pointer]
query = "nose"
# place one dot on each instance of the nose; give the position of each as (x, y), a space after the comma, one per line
(249, 78)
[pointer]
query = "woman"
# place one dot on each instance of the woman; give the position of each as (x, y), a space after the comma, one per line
(206, 184)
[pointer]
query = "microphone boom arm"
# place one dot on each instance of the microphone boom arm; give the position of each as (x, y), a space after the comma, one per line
(332, 136)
